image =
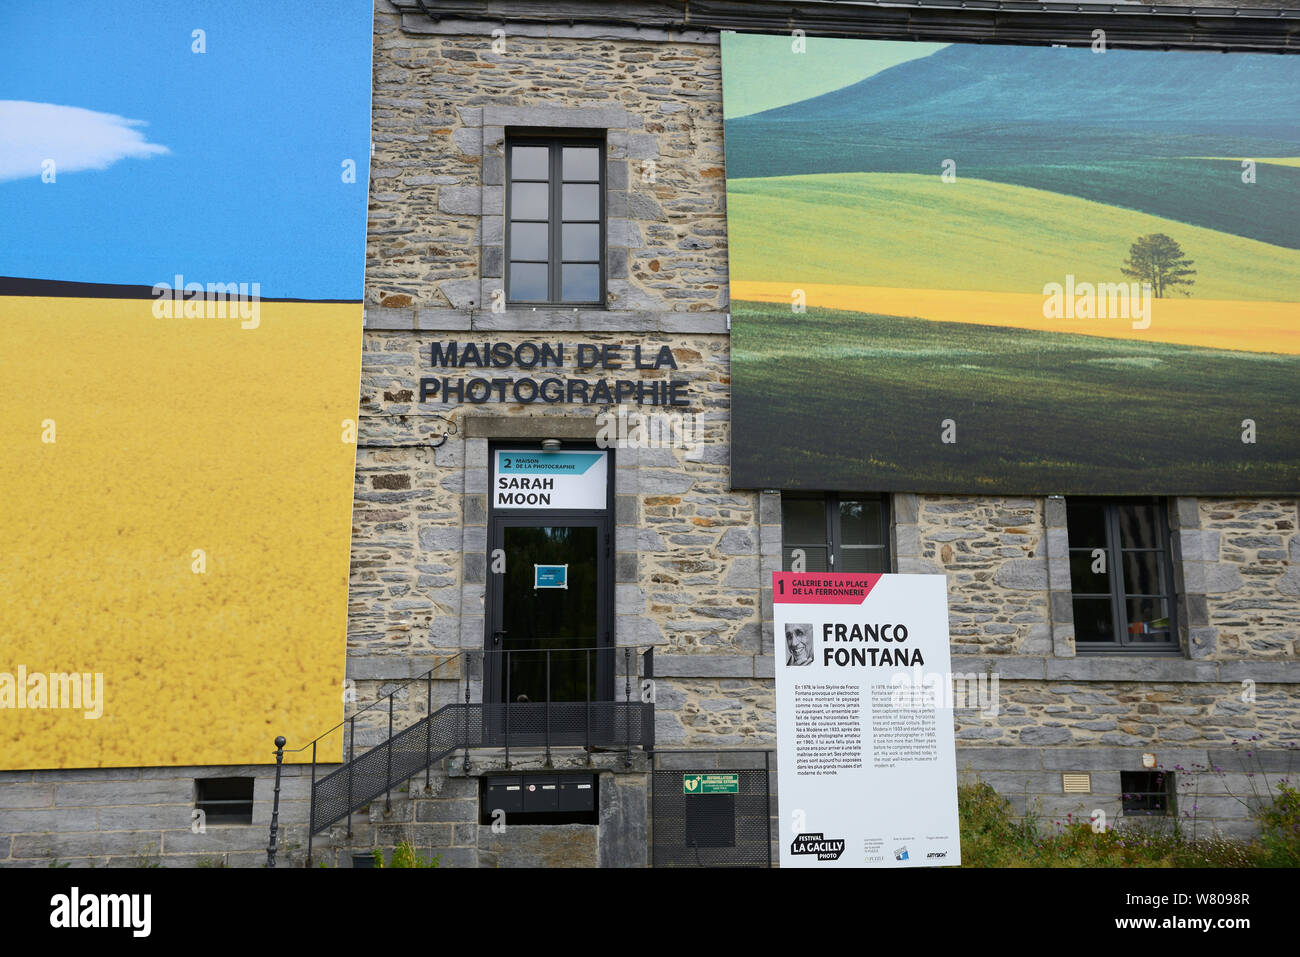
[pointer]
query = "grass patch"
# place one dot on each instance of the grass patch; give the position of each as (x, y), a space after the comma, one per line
(404, 855)
(993, 835)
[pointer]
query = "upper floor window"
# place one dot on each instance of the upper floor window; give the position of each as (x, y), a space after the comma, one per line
(555, 220)
(1121, 576)
(835, 533)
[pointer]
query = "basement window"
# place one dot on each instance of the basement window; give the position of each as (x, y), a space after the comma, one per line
(225, 800)
(1147, 793)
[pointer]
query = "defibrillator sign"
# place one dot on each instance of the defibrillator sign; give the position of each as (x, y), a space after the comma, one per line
(710, 783)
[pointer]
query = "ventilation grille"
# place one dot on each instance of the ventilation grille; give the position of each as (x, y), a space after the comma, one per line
(1076, 783)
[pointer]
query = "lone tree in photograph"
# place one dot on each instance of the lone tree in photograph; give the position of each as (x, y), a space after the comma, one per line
(1158, 260)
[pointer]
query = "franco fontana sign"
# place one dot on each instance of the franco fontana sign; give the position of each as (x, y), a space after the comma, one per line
(551, 388)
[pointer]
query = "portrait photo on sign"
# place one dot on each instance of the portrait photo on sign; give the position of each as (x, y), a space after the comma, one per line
(798, 644)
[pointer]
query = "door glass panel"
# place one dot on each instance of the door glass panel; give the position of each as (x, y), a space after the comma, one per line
(555, 625)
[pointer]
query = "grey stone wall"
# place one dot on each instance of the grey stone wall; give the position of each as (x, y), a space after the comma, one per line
(442, 105)
(143, 818)
(1214, 789)
(693, 555)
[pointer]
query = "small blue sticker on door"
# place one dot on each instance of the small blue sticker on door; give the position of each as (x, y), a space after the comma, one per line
(550, 576)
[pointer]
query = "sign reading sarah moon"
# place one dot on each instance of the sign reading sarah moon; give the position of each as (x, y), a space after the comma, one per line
(864, 721)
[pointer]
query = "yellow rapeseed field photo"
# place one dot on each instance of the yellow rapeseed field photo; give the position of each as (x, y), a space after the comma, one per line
(1246, 325)
(177, 503)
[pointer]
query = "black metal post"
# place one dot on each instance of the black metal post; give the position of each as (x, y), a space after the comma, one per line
(352, 750)
(388, 774)
(275, 803)
(587, 661)
(428, 730)
(648, 713)
(654, 762)
(465, 669)
(767, 788)
(311, 810)
(548, 707)
(507, 706)
(627, 695)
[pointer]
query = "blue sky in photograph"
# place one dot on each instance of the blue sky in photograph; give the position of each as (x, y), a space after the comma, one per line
(765, 71)
(225, 166)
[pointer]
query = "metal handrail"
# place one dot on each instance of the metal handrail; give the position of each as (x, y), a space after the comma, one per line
(423, 676)
(462, 737)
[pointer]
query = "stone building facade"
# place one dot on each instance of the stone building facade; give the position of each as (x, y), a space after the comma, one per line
(692, 557)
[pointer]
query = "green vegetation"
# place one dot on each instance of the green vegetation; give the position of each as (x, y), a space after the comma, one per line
(851, 398)
(916, 231)
(1279, 840)
(404, 856)
(147, 855)
(992, 835)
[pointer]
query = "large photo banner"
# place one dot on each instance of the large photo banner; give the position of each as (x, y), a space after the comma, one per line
(967, 268)
(867, 766)
(182, 255)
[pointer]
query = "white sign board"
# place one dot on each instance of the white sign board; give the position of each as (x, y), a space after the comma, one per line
(865, 751)
(535, 479)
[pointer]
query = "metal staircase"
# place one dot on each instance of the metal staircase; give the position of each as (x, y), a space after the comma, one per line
(603, 725)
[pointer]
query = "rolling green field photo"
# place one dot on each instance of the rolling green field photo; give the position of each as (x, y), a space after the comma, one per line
(1051, 411)
(893, 242)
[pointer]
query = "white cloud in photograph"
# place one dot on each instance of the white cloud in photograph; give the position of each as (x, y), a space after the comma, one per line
(75, 138)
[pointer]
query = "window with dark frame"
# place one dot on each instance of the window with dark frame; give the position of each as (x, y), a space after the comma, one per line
(835, 533)
(555, 220)
(224, 800)
(1147, 793)
(1121, 576)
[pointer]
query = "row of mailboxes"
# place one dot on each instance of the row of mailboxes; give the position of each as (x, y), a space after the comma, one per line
(540, 793)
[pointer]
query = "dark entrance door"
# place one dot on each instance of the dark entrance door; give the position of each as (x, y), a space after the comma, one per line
(550, 643)
(550, 662)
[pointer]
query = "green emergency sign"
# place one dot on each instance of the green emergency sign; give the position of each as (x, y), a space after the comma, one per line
(710, 783)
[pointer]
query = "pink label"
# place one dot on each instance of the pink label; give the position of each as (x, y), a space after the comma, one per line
(822, 588)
